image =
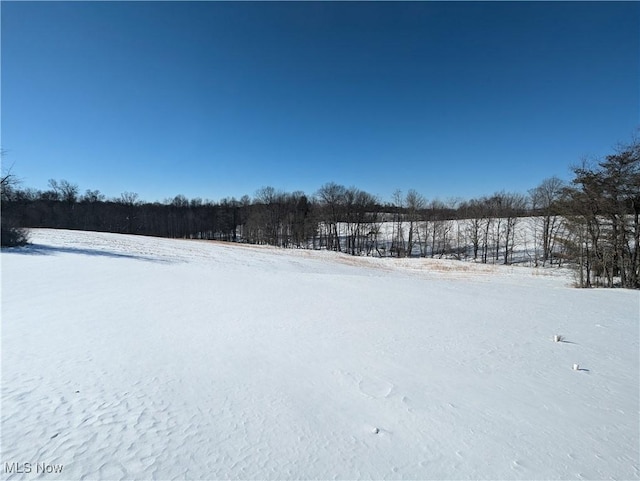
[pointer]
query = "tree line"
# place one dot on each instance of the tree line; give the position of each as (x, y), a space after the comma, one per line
(591, 223)
(603, 220)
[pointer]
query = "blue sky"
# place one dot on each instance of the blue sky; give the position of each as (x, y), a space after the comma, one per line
(217, 99)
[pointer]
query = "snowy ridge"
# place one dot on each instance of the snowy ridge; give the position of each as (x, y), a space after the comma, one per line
(129, 357)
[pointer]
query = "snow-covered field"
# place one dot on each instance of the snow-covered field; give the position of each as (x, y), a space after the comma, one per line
(140, 358)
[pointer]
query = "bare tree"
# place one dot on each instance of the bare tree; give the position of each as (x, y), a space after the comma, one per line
(129, 200)
(397, 238)
(67, 191)
(473, 225)
(415, 203)
(545, 201)
(11, 234)
(513, 207)
(332, 200)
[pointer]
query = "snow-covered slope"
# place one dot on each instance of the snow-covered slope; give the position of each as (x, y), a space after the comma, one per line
(141, 358)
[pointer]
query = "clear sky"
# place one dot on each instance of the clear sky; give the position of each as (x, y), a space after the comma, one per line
(217, 99)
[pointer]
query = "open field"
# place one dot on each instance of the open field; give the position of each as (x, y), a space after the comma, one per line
(130, 357)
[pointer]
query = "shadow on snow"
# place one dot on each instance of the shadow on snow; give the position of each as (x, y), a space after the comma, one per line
(45, 250)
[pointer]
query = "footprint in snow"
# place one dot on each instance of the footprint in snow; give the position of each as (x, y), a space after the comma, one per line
(367, 385)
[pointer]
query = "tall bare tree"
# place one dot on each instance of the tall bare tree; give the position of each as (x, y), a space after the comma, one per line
(545, 205)
(416, 204)
(332, 200)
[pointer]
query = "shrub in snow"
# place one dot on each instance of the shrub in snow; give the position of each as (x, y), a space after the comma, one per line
(11, 236)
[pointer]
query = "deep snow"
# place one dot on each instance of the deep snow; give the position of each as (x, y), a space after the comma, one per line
(129, 357)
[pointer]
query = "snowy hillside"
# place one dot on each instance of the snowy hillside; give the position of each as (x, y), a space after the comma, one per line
(144, 358)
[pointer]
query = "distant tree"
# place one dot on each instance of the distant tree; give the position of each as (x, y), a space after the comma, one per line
(359, 219)
(92, 196)
(545, 205)
(331, 197)
(440, 227)
(66, 191)
(11, 234)
(91, 215)
(302, 221)
(473, 224)
(603, 219)
(398, 246)
(129, 202)
(487, 214)
(496, 206)
(244, 209)
(415, 205)
(514, 206)
(268, 215)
